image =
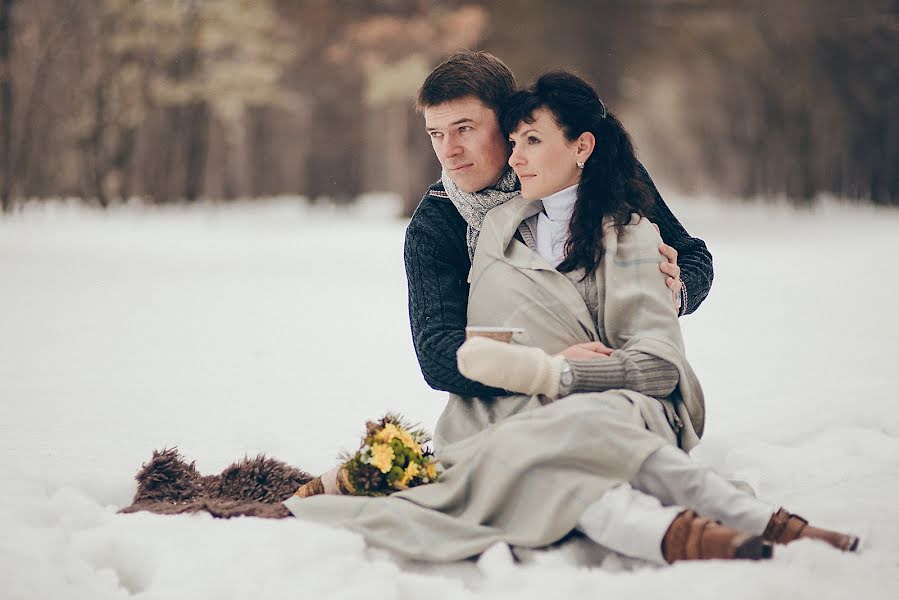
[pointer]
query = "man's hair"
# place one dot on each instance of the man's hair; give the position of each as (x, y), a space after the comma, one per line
(468, 74)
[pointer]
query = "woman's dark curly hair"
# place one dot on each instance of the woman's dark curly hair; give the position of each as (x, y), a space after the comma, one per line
(611, 182)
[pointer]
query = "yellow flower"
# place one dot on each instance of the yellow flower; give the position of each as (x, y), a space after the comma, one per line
(382, 457)
(391, 432)
(387, 434)
(410, 472)
(431, 471)
(409, 442)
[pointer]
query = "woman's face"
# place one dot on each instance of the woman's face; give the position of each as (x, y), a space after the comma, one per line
(543, 158)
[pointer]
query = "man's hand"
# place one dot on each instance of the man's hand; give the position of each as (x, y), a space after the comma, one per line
(586, 351)
(671, 269)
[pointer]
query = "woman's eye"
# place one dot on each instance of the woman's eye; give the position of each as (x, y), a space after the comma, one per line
(533, 140)
(512, 143)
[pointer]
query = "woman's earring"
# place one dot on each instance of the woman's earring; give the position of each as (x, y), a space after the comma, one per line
(580, 164)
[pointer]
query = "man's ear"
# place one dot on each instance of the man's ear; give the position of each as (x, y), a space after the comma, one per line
(586, 142)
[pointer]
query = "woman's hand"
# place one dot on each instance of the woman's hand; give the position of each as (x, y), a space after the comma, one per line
(587, 351)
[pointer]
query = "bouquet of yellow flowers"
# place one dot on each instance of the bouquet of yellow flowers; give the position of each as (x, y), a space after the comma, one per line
(393, 456)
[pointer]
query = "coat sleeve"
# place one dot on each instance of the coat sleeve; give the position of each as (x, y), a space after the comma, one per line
(438, 306)
(693, 257)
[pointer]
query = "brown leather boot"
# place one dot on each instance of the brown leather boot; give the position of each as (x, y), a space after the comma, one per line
(784, 527)
(691, 537)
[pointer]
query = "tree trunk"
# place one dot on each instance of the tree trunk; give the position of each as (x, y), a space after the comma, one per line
(196, 150)
(169, 144)
(95, 141)
(6, 105)
(808, 184)
(121, 161)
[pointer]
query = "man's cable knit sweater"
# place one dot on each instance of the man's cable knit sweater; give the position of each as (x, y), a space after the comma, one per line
(437, 266)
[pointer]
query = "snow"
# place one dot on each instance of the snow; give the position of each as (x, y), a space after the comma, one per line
(279, 328)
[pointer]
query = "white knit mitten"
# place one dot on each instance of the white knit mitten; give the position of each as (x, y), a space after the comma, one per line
(522, 369)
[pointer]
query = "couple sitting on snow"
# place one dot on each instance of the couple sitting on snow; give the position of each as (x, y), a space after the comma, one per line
(585, 420)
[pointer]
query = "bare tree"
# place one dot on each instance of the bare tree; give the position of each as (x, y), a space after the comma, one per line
(6, 103)
(24, 103)
(776, 98)
(184, 99)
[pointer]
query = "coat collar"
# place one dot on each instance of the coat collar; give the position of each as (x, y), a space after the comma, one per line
(497, 242)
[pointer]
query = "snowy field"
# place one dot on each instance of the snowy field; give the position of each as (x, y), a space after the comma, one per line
(237, 329)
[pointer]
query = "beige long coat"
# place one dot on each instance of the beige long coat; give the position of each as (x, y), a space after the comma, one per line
(521, 469)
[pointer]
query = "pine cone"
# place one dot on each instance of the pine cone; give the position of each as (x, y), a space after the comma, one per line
(367, 478)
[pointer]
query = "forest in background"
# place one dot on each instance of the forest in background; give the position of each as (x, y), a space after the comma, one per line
(177, 100)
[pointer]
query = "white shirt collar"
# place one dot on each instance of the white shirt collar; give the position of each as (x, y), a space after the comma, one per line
(559, 206)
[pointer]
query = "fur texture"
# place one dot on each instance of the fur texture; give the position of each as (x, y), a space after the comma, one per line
(250, 487)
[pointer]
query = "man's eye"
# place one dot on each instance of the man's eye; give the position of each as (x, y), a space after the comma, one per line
(464, 128)
(436, 134)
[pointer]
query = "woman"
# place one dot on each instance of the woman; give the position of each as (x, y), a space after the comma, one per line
(580, 267)
(577, 160)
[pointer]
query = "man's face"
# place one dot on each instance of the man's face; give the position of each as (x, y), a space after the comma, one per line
(468, 143)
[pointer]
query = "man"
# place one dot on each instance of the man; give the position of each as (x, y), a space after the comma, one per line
(461, 100)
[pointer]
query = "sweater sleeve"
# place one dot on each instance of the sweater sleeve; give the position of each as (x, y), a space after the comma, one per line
(693, 257)
(437, 268)
(625, 369)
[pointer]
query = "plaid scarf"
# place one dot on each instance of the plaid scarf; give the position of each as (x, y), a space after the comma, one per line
(473, 206)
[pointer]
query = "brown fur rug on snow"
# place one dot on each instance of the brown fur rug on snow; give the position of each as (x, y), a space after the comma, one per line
(255, 487)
